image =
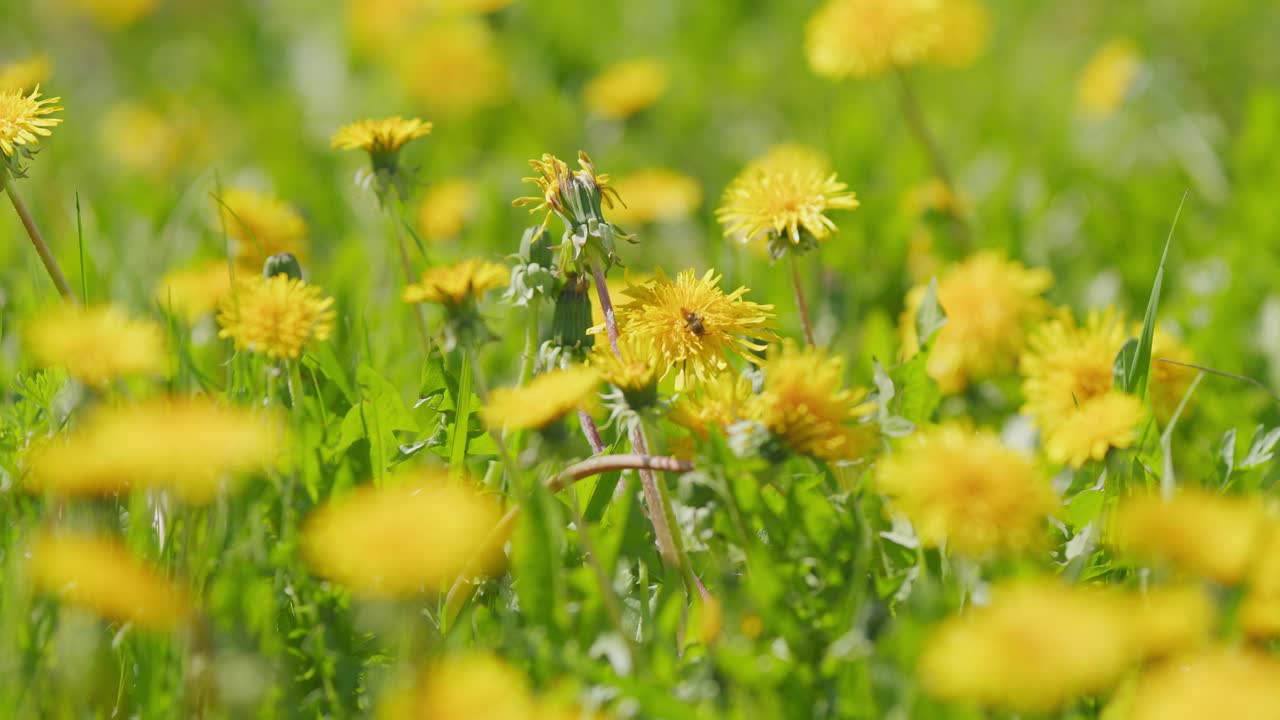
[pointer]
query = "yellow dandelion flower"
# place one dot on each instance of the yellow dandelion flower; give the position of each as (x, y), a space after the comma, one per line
(1169, 382)
(114, 14)
(633, 368)
(624, 89)
(447, 206)
(152, 142)
(789, 158)
(543, 400)
(260, 225)
(467, 687)
(1038, 645)
(617, 288)
(454, 66)
(191, 446)
(1172, 619)
(693, 326)
(1068, 388)
(24, 118)
(382, 139)
(1206, 534)
(97, 344)
(967, 490)
(24, 74)
(100, 575)
(279, 316)
(719, 402)
(556, 182)
(1260, 608)
(863, 38)
(934, 196)
(990, 302)
(192, 293)
(1239, 683)
(416, 534)
(805, 406)
(965, 28)
(1107, 78)
(656, 195)
(784, 204)
(455, 285)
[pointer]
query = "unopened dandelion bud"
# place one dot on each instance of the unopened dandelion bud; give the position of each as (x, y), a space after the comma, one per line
(282, 264)
(572, 316)
(535, 247)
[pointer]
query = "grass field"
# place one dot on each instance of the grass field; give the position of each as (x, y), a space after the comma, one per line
(536, 359)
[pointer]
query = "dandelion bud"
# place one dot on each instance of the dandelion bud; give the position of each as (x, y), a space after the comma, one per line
(572, 316)
(535, 247)
(282, 264)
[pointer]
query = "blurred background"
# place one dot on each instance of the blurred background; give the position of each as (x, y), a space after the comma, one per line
(1073, 136)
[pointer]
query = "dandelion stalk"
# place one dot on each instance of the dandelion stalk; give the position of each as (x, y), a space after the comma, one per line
(798, 286)
(419, 316)
(42, 249)
(606, 303)
(941, 169)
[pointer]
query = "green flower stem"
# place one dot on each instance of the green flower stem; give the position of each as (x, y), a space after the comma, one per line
(941, 169)
(798, 286)
(42, 249)
(531, 335)
(461, 418)
(460, 591)
(420, 318)
(472, 361)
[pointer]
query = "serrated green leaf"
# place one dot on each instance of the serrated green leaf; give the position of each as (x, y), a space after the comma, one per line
(378, 415)
(929, 317)
(1261, 448)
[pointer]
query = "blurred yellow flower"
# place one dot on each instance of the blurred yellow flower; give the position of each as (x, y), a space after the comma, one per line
(783, 203)
(790, 158)
(964, 489)
(543, 400)
(1173, 619)
(382, 28)
(416, 534)
(454, 66)
(113, 14)
(934, 196)
(466, 687)
(720, 401)
(455, 285)
(691, 325)
(23, 118)
(259, 226)
(1237, 683)
(190, 446)
(965, 28)
(990, 302)
(1068, 389)
(1169, 382)
(25, 74)
(863, 38)
(279, 316)
(446, 207)
(1038, 645)
(97, 344)
(632, 369)
(1108, 78)
(100, 575)
(654, 195)
(145, 140)
(805, 406)
(1259, 612)
(191, 293)
(624, 89)
(1203, 533)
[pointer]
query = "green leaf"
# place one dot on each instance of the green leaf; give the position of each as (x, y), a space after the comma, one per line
(1084, 508)
(536, 558)
(1124, 361)
(1226, 454)
(376, 417)
(1261, 449)
(918, 394)
(929, 317)
(1140, 366)
(462, 418)
(324, 359)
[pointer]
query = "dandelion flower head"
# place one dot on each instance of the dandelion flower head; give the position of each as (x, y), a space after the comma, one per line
(24, 74)
(1169, 381)
(24, 119)
(381, 138)
(1107, 78)
(543, 400)
(1221, 683)
(783, 203)
(968, 490)
(693, 326)
(100, 575)
(1206, 534)
(191, 293)
(456, 285)
(556, 182)
(990, 302)
(804, 403)
(279, 316)
(965, 29)
(97, 344)
(191, 446)
(656, 195)
(446, 208)
(718, 402)
(454, 66)
(473, 686)
(624, 89)
(864, 38)
(261, 225)
(414, 534)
